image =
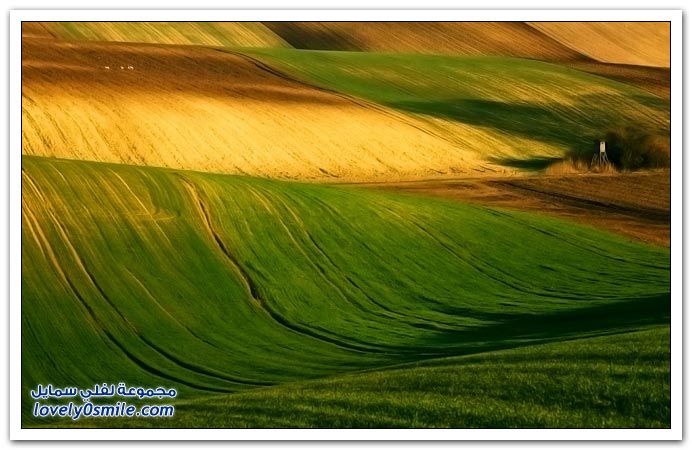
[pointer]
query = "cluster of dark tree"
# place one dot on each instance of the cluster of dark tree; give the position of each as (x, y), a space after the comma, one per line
(628, 148)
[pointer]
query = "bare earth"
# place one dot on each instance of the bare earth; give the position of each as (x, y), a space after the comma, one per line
(655, 80)
(636, 205)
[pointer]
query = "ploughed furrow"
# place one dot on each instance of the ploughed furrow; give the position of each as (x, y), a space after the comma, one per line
(246, 280)
(321, 260)
(294, 206)
(165, 311)
(101, 322)
(658, 215)
(253, 289)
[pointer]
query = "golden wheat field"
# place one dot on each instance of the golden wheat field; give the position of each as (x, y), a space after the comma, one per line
(202, 109)
(219, 110)
(636, 43)
(213, 34)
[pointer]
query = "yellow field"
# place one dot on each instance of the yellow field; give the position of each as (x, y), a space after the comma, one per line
(213, 34)
(636, 43)
(206, 110)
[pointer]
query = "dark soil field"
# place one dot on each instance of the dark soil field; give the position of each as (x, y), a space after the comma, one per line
(634, 204)
(652, 79)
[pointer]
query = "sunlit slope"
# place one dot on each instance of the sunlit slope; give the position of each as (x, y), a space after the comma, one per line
(618, 381)
(591, 47)
(638, 43)
(217, 34)
(201, 109)
(452, 38)
(215, 283)
(501, 109)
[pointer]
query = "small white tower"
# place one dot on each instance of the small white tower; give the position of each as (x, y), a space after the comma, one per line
(600, 159)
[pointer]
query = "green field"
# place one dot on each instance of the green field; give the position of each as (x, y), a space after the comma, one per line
(216, 284)
(618, 381)
(507, 109)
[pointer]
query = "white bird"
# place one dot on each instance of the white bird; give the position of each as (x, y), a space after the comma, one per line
(107, 67)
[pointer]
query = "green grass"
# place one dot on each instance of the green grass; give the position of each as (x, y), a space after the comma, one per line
(529, 108)
(216, 284)
(618, 381)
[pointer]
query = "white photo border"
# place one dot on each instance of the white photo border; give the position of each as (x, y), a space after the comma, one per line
(676, 242)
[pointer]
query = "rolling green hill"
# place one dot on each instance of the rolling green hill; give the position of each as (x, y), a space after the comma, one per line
(617, 381)
(215, 284)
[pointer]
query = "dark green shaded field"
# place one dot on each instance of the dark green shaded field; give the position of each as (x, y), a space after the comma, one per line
(617, 381)
(215, 284)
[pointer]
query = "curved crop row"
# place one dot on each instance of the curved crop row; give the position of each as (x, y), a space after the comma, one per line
(213, 283)
(615, 381)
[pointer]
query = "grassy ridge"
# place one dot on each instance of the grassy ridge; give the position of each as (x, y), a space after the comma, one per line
(501, 108)
(213, 283)
(618, 381)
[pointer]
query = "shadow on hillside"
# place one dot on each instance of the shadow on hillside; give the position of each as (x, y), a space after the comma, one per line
(552, 123)
(301, 37)
(652, 102)
(511, 330)
(540, 122)
(538, 163)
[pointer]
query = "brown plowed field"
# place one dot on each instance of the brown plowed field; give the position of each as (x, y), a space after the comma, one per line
(636, 205)
(652, 79)
(452, 38)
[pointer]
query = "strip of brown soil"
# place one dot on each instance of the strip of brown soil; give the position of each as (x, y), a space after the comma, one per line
(651, 79)
(636, 205)
(451, 38)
